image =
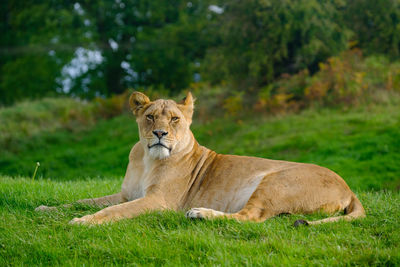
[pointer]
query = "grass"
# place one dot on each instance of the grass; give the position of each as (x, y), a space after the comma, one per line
(361, 144)
(29, 238)
(30, 118)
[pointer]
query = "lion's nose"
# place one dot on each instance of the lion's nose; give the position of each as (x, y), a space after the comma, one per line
(160, 133)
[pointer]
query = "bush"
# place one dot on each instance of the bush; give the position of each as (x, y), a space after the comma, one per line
(29, 118)
(49, 114)
(110, 107)
(347, 79)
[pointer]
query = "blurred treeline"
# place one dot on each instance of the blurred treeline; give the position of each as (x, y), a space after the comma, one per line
(101, 48)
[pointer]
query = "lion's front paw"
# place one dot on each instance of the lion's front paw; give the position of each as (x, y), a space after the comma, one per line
(203, 213)
(45, 208)
(103, 216)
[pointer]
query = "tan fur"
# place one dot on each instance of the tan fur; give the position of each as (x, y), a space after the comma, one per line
(180, 174)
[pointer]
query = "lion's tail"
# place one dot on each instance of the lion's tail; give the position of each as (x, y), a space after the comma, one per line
(353, 211)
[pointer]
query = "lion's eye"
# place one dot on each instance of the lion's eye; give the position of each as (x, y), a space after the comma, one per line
(150, 117)
(174, 118)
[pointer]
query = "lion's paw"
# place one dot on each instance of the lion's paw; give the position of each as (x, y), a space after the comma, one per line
(85, 220)
(203, 213)
(100, 217)
(45, 208)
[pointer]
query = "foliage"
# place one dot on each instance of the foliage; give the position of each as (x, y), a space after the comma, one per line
(30, 119)
(346, 80)
(234, 104)
(31, 32)
(107, 108)
(138, 43)
(263, 39)
(27, 77)
(375, 24)
(209, 100)
(143, 43)
(168, 238)
(61, 47)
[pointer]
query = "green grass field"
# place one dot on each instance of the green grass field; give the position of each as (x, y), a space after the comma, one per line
(361, 144)
(29, 238)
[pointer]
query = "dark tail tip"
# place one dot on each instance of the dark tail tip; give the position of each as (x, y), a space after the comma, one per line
(300, 222)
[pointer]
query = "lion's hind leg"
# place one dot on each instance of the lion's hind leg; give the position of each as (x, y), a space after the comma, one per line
(353, 211)
(257, 209)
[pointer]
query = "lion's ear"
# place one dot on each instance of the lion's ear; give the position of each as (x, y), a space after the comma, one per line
(187, 106)
(137, 101)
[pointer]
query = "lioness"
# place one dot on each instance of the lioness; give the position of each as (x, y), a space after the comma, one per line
(168, 169)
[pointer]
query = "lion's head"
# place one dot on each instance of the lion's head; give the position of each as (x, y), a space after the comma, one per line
(164, 125)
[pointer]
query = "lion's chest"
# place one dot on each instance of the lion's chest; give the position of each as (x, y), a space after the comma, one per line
(134, 185)
(133, 191)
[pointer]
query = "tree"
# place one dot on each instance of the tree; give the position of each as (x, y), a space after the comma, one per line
(377, 28)
(86, 49)
(262, 39)
(145, 43)
(35, 43)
